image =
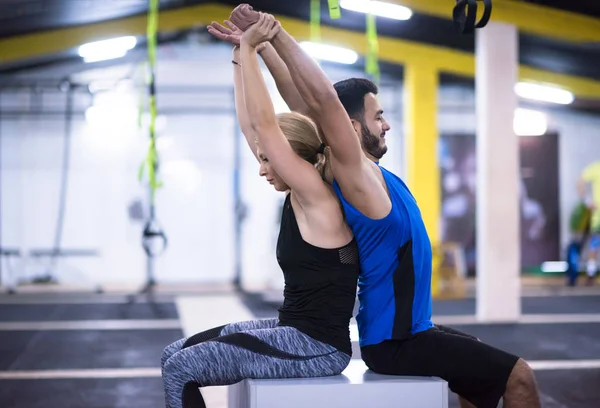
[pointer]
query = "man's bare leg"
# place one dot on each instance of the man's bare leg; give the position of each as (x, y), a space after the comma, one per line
(521, 388)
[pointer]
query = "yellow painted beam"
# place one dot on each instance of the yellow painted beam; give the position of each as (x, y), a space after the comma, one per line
(391, 50)
(53, 41)
(529, 18)
(421, 83)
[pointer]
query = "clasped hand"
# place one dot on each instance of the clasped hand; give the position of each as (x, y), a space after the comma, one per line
(265, 29)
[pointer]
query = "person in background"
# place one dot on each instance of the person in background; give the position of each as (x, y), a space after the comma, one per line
(589, 193)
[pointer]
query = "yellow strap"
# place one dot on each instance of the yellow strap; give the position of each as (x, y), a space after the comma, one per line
(151, 29)
(315, 20)
(150, 163)
(372, 57)
(334, 9)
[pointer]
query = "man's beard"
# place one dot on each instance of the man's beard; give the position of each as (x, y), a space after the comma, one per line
(371, 143)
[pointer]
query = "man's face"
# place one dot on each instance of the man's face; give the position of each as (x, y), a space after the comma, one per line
(372, 128)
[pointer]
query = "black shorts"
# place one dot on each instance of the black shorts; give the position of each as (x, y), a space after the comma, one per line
(474, 370)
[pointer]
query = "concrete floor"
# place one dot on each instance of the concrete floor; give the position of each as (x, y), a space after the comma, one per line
(82, 350)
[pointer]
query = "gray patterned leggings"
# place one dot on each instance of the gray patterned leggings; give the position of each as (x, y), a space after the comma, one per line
(254, 349)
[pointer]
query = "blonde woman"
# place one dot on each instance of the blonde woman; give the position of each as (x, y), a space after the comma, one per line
(315, 249)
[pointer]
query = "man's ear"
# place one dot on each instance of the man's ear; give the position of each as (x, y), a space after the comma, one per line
(356, 126)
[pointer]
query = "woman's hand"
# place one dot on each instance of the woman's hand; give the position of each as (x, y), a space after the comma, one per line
(265, 29)
(231, 34)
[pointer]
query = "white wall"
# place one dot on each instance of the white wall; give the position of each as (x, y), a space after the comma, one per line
(196, 205)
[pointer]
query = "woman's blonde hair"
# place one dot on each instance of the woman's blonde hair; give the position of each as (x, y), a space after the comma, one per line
(305, 139)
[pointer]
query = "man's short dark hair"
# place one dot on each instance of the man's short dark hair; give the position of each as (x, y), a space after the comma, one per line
(351, 93)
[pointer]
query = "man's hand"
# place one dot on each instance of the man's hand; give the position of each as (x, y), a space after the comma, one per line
(244, 16)
(264, 30)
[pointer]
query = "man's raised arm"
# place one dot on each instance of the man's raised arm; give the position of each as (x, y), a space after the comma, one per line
(283, 80)
(316, 90)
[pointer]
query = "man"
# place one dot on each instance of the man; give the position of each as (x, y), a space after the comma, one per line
(590, 179)
(394, 318)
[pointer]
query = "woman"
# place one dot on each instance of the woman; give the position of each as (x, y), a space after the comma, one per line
(315, 249)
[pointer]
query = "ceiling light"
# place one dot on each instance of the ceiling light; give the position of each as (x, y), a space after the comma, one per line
(107, 49)
(330, 52)
(544, 93)
(378, 8)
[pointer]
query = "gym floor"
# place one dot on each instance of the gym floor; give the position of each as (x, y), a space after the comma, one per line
(100, 351)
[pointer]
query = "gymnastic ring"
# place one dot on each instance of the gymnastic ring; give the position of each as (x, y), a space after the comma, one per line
(152, 232)
(465, 15)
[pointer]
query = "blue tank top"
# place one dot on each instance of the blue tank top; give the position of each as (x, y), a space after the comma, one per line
(394, 286)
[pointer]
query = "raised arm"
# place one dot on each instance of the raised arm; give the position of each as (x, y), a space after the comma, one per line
(240, 103)
(285, 85)
(283, 80)
(296, 172)
(232, 34)
(318, 93)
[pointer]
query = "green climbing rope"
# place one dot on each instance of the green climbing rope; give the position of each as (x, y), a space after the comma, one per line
(150, 164)
(372, 57)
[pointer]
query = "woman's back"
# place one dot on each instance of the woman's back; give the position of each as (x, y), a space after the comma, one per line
(320, 275)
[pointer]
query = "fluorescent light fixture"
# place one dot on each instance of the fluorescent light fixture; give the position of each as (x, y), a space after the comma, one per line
(555, 267)
(329, 52)
(530, 122)
(378, 8)
(107, 49)
(544, 93)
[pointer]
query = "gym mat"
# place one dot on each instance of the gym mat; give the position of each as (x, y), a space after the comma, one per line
(569, 388)
(530, 305)
(555, 341)
(88, 393)
(82, 349)
(90, 311)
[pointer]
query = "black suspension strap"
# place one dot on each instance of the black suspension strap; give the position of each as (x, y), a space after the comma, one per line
(465, 15)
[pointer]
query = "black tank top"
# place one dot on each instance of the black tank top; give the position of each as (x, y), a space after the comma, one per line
(320, 284)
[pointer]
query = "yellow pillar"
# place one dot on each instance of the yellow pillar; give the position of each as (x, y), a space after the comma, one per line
(421, 82)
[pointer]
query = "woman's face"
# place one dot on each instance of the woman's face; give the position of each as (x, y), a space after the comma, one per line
(267, 171)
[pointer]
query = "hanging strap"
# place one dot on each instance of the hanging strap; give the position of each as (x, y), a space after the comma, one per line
(334, 9)
(372, 57)
(152, 230)
(151, 162)
(315, 20)
(465, 15)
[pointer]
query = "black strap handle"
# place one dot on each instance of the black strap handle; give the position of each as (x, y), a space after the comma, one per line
(151, 233)
(465, 15)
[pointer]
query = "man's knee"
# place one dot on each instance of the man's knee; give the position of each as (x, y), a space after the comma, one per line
(522, 376)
